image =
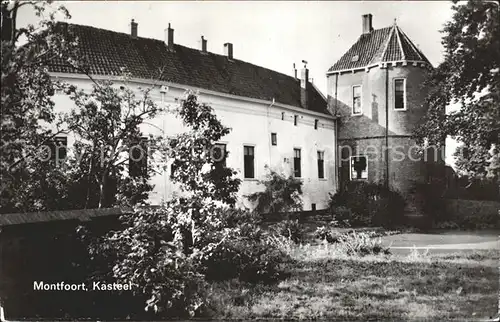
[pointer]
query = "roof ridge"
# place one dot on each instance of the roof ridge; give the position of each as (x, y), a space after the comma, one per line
(179, 45)
(389, 37)
(403, 55)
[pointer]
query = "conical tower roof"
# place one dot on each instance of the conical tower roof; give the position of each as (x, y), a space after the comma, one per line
(384, 45)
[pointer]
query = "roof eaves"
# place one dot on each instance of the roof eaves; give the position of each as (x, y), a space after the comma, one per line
(352, 69)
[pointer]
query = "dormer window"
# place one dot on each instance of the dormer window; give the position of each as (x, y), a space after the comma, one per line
(356, 100)
(400, 94)
(355, 58)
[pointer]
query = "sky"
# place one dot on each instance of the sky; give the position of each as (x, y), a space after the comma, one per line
(274, 35)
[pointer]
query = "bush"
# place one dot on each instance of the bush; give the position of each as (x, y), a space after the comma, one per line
(243, 253)
(341, 216)
(473, 222)
(281, 194)
(368, 204)
(361, 244)
(327, 234)
(430, 195)
(289, 229)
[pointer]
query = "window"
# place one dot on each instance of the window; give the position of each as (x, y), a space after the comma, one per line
(400, 94)
(282, 116)
(138, 158)
(219, 154)
(248, 160)
(296, 163)
(316, 124)
(321, 164)
(313, 207)
(274, 139)
(295, 119)
(359, 168)
(356, 100)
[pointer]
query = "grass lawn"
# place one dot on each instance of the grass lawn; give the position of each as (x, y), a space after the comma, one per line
(416, 286)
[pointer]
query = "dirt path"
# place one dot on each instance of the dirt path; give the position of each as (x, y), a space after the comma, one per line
(443, 242)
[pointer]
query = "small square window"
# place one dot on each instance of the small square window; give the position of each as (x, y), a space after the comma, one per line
(282, 116)
(316, 124)
(313, 207)
(295, 119)
(274, 139)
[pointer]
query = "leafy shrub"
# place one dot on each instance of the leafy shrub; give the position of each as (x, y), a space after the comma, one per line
(369, 204)
(290, 229)
(361, 244)
(341, 216)
(446, 225)
(431, 201)
(243, 254)
(486, 221)
(327, 234)
(281, 194)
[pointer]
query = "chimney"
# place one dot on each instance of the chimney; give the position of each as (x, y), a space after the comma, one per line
(133, 28)
(169, 36)
(203, 44)
(367, 23)
(294, 71)
(304, 85)
(228, 50)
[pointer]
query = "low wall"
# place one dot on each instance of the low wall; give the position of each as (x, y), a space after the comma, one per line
(460, 208)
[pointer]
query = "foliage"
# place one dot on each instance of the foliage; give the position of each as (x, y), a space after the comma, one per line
(361, 244)
(474, 188)
(163, 250)
(470, 77)
(327, 234)
(341, 216)
(106, 123)
(431, 199)
(367, 204)
(251, 258)
(471, 222)
(27, 105)
(281, 194)
(291, 229)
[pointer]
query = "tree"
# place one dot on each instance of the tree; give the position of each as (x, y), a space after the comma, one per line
(107, 123)
(26, 106)
(159, 249)
(470, 77)
(281, 194)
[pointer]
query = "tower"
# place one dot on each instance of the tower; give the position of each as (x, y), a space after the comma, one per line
(375, 90)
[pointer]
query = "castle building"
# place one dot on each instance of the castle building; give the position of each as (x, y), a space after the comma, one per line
(375, 90)
(277, 120)
(363, 131)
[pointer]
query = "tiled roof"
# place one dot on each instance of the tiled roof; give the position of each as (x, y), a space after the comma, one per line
(380, 45)
(107, 53)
